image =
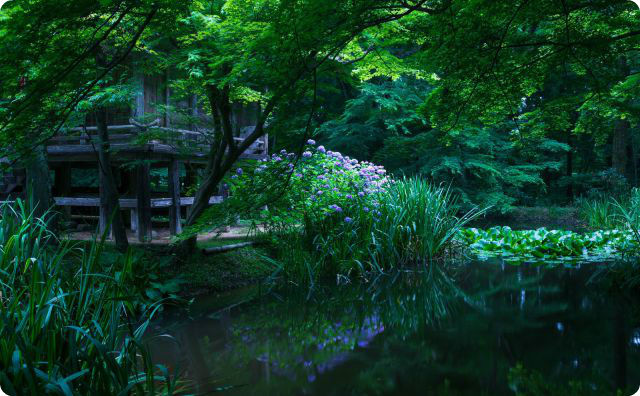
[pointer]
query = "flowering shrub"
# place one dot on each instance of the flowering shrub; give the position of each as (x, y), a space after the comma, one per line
(321, 189)
(329, 214)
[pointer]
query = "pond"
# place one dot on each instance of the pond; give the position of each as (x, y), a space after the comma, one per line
(483, 328)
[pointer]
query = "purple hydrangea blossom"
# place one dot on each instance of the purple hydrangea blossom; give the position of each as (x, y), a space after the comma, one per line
(307, 154)
(239, 171)
(311, 142)
(322, 149)
(335, 208)
(348, 220)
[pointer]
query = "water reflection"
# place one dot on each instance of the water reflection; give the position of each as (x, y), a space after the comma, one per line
(481, 328)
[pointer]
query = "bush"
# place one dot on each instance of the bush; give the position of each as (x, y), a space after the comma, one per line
(329, 214)
(68, 323)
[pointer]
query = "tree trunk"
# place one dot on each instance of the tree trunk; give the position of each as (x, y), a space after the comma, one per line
(222, 156)
(39, 182)
(619, 147)
(109, 198)
(569, 173)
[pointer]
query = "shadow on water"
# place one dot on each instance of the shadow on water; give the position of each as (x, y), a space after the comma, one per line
(478, 329)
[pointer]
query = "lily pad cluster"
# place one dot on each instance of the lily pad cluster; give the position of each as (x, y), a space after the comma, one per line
(543, 244)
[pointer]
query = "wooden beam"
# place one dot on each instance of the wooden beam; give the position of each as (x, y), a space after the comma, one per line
(129, 203)
(175, 225)
(227, 248)
(143, 202)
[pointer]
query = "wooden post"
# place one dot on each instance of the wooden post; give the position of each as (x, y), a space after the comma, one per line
(134, 220)
(103, 221)
(63, 186)
(167, 100)
(138, 110)
(143, 205)
(175, 225)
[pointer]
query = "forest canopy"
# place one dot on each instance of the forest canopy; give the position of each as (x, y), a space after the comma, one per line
(521, 103)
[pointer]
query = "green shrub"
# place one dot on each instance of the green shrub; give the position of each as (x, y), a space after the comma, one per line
(328, 214)
(68, 323)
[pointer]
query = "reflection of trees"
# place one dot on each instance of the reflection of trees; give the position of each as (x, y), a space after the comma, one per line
(420, 334)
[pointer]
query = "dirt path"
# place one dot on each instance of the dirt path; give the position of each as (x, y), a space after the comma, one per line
(162, 236)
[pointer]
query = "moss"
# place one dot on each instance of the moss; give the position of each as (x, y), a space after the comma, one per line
(201, 273)
(224, 271)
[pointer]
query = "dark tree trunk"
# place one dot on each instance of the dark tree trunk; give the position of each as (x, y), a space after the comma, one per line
(569, 173)
(39, 182)
(619, 147)
(109, 197)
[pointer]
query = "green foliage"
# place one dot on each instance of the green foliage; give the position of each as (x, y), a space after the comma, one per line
(486, 166)
(547, 245)
(69, 324)
(607, 212)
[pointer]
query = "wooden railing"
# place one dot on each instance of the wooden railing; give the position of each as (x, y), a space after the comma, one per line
(179, 139)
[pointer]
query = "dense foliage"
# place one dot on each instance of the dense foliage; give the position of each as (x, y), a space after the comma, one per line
(69, 323)
(328, 213)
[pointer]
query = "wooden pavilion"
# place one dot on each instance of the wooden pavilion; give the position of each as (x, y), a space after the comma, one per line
(138, 150)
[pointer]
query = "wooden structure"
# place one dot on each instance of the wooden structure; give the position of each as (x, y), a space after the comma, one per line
(138, 151)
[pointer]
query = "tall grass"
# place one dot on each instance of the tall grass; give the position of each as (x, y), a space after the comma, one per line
(607, 212)
(68, 323)
(598, 213)
(415, 223)
(418, 222)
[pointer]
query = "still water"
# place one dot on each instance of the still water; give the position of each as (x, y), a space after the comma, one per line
(482, 328)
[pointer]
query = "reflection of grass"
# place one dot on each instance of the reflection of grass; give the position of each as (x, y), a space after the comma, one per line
(526, 382)
(322, 325)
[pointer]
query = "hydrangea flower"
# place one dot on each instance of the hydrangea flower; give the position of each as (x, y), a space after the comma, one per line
(335, 208)
(348, 220)
(307, 154)
(322, 149)
(239, 171)
(311, 142)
